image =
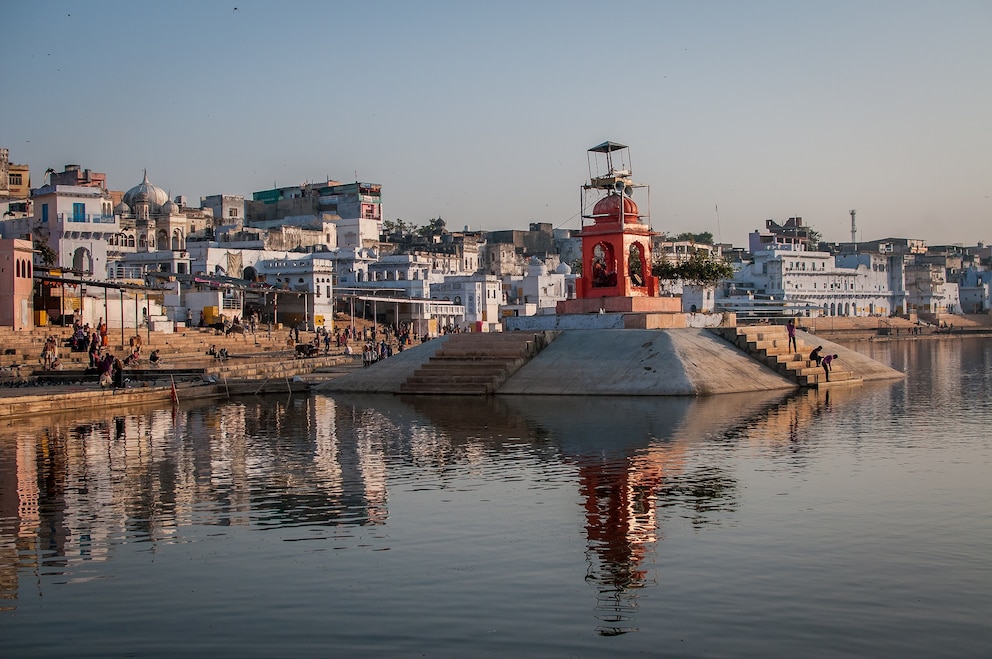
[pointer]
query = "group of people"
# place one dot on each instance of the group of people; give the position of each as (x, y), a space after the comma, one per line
(826, 361)
(375, 352)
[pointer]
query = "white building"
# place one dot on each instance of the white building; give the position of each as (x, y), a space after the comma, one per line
(787, 280)
(480, 295)
(226, 208)
(928, 290)
(538, 291)
(76, 222)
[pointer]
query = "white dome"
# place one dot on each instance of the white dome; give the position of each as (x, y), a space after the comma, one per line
(122, 209)
(563, 269)
(170, 207)
(146, 192)
(536, 267)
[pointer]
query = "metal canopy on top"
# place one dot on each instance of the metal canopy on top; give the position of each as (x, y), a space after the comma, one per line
(607, 147)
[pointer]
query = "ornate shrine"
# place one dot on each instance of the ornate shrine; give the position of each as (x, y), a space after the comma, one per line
(616, 246)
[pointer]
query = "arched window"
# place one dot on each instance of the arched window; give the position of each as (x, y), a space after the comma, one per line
(603, 266)
(635, 264)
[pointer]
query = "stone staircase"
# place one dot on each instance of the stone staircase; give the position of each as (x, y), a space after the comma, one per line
(476, 363)
(769, 344)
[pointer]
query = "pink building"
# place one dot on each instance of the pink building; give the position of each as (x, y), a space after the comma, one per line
(16, 284)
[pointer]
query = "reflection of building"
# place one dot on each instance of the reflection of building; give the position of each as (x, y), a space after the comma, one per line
(72, 490)
(621, 498)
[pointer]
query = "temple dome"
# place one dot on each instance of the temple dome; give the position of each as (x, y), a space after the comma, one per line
(145, 192)
(607, 210)
(122, 209)
(170, 207)
(563, 269)
(536, 267)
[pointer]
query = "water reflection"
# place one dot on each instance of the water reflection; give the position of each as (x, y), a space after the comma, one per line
(74, 490)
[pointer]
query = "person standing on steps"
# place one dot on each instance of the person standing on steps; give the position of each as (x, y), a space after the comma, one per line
(791, 329)
(827, 361)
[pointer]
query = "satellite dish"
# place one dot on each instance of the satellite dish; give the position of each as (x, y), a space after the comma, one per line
(628, 191)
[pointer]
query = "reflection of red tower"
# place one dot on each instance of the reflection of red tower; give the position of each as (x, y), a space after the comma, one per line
(620, 500)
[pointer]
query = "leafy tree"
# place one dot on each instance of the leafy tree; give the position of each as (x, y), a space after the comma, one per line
(433, 227)
(704, 238)
(700, 268)
(49, 256)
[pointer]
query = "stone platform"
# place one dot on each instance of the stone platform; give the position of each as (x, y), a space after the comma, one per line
(617, 362)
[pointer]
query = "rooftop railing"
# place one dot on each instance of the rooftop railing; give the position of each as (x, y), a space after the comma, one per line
(93, 218)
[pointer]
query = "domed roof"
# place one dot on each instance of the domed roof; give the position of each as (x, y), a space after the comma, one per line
(536, 267)
(145, 192)
(170, 207)
(607, 210)
(122, 209)
(563, 269)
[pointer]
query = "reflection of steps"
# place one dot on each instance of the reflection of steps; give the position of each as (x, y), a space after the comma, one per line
(475, 363)
(769, 344)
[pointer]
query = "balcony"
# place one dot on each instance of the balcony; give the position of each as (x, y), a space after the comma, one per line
(92, 218)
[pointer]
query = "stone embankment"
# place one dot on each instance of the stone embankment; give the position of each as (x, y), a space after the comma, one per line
(256, 363)
(608, 362)
(851, 329)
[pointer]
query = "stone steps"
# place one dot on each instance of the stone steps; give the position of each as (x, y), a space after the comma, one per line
(770, 345)
(475, 364)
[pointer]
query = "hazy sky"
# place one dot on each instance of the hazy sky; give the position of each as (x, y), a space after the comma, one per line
(482, 112)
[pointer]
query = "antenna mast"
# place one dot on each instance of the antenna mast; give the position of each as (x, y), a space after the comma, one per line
(854, 229)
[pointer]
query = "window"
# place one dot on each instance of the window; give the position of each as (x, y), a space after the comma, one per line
(15, 179)
(79, 212)
(44, 212)
(232, 212)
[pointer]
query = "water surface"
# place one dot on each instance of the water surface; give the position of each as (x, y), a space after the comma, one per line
(850, 524)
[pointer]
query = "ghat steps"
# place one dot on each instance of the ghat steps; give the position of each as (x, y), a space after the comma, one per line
(476, 363)
(769, 344)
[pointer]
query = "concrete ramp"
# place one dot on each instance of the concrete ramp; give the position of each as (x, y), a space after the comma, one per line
(675, 362)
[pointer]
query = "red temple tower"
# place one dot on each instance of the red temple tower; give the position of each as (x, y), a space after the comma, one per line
(616, 245)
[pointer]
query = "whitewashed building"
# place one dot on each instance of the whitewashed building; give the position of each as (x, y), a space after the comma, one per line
(538, 291)
(76, 222)
(481, 296)
(788, 280)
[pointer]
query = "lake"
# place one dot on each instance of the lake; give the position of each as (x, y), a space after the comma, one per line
(848, 522)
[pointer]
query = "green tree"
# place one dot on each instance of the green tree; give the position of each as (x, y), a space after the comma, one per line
(433, 227)
(704, 238)
(49, 256)
(700, 268)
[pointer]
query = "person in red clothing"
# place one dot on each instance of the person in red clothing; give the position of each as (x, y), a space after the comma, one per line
(791, 329)
(827, 361)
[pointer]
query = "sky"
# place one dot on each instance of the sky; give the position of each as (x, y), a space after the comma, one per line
(481, 113)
